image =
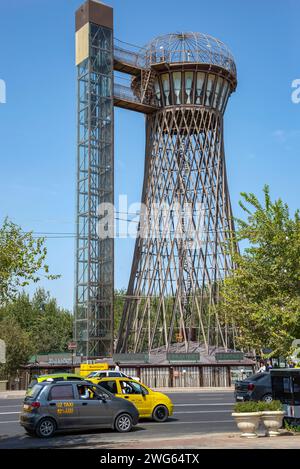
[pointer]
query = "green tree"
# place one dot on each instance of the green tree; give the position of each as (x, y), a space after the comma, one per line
(40, 327)
(262, 297)
(22, 260)
(19, 346)
(53, 327)
(119, 301)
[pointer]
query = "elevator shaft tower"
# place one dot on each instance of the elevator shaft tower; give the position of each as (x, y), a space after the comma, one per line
(94, 274)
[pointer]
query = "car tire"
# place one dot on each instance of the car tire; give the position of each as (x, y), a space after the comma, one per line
(160, 413)
(267, 398)
(123, 423)
(45, 428)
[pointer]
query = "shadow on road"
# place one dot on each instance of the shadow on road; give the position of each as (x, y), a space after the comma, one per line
(66, 440)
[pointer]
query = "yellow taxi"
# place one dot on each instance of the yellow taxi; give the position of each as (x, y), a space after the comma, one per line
(150, 404)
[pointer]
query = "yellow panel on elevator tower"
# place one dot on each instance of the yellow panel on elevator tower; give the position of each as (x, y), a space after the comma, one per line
(82, 43)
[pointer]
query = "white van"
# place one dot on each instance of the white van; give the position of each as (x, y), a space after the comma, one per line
(109, 374)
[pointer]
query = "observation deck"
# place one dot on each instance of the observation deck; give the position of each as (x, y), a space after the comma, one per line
(194, 54)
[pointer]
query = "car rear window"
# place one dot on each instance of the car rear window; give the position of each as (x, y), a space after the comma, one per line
(258, 376)
(34, 391)
(61, 392)
(32, 383)
(110, 386)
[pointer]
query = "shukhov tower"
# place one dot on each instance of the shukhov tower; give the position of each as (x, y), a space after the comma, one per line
(182, 252)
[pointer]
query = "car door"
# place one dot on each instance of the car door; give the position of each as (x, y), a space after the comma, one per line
(93, 411)
(61, 405)
(135, 393)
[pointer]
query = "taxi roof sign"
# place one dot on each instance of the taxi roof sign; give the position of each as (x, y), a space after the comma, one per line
(94, 366)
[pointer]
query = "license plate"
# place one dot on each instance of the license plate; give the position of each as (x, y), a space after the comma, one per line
(239, 398)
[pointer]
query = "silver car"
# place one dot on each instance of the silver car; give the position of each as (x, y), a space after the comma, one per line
(52, 407)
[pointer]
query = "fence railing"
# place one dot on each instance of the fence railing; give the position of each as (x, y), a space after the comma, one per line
(126, 93)
(129, 57)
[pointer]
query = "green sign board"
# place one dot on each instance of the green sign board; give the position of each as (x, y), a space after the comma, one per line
(229, 356)
(131, 357)
(183, 357)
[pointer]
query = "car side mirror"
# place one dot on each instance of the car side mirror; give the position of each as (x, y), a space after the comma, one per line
(101, 397)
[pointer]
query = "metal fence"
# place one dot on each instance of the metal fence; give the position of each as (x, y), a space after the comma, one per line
(125, 92)
(162, 376)
(128, 56)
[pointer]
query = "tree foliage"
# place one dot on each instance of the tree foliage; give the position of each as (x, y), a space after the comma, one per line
(119, 301)
(22, 260)
(262, 297)
(18, 346)
(33, 326)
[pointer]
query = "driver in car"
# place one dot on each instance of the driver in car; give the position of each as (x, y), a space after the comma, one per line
(83, 392)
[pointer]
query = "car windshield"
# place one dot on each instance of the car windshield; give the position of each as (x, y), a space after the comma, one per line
(93, 374)
(257, 376)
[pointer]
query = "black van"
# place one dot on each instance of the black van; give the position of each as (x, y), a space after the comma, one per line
(286, 388)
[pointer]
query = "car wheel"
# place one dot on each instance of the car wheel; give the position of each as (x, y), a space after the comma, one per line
(123, 423)
(45, 428)
(160, 413)
(267, 398)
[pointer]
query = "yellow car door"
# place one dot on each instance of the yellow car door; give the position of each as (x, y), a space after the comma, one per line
(137, 394)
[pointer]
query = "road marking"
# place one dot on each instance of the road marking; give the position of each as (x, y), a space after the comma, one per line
(217, 403)
(193, 422)
(10, 421)
(9, 413)
(1, 406)
(204, 412)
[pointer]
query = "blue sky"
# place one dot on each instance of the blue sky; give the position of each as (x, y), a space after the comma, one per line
(38, 122)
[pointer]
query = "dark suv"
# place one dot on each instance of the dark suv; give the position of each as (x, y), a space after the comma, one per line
(254, 388)
(52, 407)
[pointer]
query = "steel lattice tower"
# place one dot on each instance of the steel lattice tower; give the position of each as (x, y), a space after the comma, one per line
(181, 253)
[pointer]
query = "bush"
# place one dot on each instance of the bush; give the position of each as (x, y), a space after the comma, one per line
(248, 406)
(260, 406)
(273, 406)
(294, 428)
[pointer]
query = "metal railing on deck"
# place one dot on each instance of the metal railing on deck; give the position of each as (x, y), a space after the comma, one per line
(126, 93)
(129, 54)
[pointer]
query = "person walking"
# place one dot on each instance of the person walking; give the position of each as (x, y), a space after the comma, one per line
(117, 367)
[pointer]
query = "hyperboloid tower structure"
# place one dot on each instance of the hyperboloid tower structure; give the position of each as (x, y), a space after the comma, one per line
(181, 254)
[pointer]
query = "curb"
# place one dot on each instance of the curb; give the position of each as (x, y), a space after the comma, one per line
(197, 390)
(12, 394)
(20, 394)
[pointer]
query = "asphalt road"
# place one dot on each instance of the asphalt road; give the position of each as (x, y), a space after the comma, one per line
(194, 413)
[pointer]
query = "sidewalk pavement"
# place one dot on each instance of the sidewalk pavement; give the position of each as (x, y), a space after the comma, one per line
(198, 390)
(207, 441)
(21, 394)
(12, 394)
